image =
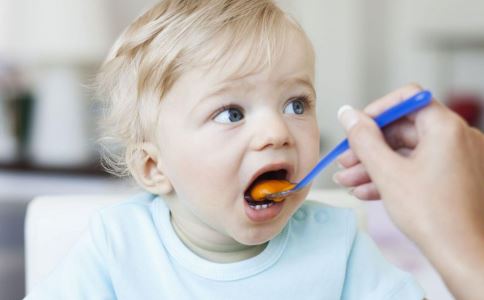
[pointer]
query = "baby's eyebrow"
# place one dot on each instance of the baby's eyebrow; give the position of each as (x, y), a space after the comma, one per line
(226, 86)
(241, 84)
(297, 81)
(221, 89)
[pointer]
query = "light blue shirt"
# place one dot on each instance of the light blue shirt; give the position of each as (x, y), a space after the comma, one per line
(131, 251)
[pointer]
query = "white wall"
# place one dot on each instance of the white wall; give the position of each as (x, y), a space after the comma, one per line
(6, 19)
(410, 42)
(127, 11)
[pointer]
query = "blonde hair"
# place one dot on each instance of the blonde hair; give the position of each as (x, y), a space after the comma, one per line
(167, 40)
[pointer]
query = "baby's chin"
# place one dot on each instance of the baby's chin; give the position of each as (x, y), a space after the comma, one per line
(259, 234)
(255, 241)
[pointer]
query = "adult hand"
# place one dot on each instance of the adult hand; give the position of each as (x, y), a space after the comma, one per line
(428, 169)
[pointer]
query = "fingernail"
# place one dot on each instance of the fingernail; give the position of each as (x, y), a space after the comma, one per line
(347, 116)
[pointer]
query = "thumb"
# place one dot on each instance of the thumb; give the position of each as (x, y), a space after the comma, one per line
(367, 142)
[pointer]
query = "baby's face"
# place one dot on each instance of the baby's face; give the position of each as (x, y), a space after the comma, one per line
(216, 137)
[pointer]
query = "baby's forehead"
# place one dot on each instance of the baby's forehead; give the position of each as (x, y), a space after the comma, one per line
(242, 72)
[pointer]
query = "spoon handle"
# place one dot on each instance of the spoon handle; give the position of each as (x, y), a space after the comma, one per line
(394, 113)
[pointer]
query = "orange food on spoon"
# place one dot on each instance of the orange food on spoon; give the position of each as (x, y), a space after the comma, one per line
(266, 187)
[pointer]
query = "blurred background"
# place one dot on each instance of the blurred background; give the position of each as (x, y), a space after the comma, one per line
(51, 49)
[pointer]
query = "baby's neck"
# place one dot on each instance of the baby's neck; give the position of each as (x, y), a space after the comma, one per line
(215, 249)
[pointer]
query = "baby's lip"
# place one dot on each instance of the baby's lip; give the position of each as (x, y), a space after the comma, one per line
(272, 167)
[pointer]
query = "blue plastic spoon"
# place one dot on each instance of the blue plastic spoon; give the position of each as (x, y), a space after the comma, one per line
(389, 116)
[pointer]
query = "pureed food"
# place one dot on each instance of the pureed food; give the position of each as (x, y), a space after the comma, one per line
(271, 186)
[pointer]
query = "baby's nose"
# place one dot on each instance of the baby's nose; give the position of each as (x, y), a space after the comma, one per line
(271, 131)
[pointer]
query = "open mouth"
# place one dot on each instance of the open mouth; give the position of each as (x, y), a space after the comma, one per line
(280, 174)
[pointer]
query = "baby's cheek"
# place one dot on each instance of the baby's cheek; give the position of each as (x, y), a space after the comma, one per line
(309, 156)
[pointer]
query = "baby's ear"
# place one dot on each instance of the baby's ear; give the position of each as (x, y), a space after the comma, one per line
(146, 167)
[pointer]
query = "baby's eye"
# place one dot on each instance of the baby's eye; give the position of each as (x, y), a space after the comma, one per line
(295, 106)
(229, 115)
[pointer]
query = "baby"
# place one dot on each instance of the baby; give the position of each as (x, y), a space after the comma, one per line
(205, 99)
